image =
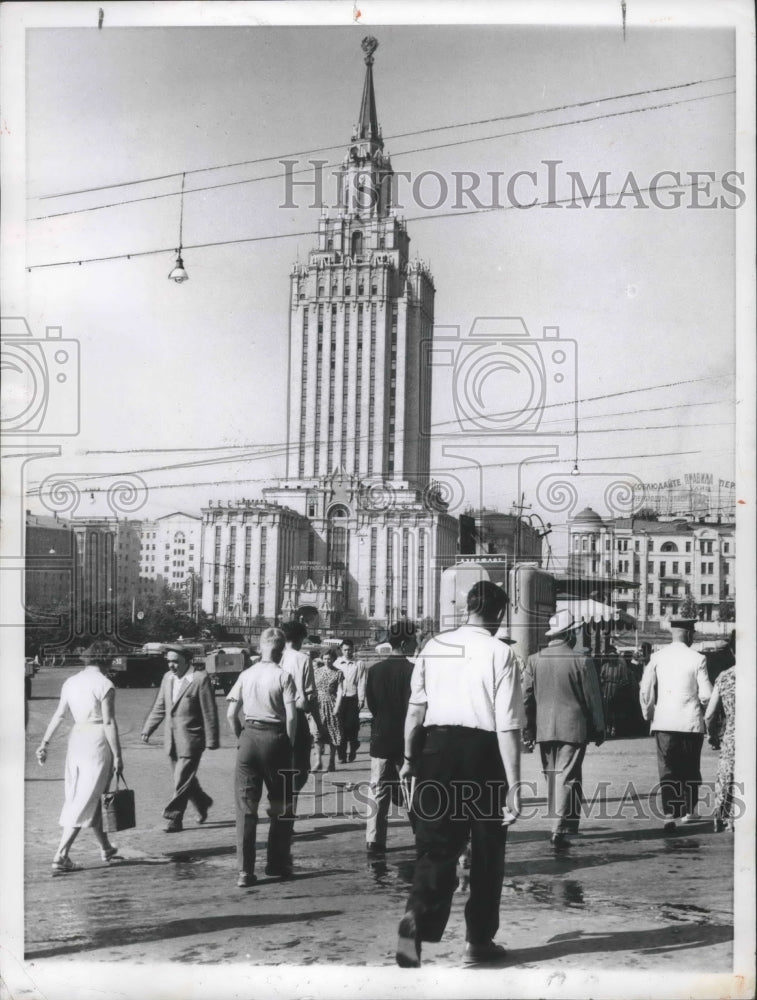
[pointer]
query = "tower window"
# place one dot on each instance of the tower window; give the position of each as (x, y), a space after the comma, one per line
(357, 243)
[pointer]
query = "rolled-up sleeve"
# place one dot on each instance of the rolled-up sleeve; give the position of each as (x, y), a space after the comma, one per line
(703, 682)
(418, 684)
(287, 687)
(236, 691)
(647, 690)
(508, 696)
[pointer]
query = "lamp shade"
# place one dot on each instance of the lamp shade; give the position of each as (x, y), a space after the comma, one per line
(178, 274)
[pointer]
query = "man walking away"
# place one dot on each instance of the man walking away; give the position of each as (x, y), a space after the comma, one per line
(352, 701)
(466, 697)
(297, 664)
(265, 695)
(563, 703)
(387, 693)
(187, 703)
(674, 690)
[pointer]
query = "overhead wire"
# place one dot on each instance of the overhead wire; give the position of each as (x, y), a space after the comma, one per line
(397, 135)
(589, 196)
(281, 448)
(419, 149)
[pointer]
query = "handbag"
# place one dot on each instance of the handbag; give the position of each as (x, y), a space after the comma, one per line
(118, 810)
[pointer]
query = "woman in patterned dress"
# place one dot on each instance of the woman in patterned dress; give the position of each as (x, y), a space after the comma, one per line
(93, 755)
(324, 720)
(720, 719)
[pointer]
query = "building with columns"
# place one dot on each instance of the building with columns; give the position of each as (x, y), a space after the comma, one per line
(358, 530)
(653, 565)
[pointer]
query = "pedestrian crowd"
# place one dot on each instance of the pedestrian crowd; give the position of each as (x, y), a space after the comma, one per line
(448, 726)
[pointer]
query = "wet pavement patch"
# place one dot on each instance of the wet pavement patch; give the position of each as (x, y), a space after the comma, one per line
(685, 912)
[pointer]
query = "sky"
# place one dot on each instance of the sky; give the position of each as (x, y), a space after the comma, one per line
(175, 375)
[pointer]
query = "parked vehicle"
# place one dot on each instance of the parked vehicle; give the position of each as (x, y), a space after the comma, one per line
(224, 665)
(137, 669)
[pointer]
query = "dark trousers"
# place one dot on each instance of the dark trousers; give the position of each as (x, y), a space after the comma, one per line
(303, 744)
(459, 794)
(562, 765)
(264, 757)
(349, 716)
(186, 787)
(678, 756)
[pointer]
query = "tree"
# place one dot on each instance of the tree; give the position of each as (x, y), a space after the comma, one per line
(647, 514)
(688, 608)
(727, 611)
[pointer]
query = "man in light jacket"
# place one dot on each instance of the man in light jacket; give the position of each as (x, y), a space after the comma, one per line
(187, 703)
(674, 691)
(563, 705)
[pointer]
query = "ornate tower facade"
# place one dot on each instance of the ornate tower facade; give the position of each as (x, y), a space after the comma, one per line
(359, 394)
(356, 532)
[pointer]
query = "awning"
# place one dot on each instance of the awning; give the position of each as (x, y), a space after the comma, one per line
(593, 612)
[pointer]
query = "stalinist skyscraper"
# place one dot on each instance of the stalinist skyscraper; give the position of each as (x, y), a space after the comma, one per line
(356, 532)
(360, 392)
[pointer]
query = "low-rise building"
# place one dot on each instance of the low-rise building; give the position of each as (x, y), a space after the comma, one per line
(662, 561)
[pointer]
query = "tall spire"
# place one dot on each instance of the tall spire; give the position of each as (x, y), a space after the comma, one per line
(367, 127)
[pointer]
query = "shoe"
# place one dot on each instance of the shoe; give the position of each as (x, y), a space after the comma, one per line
(559, 841)
(374, 848)
(245, 881)
(63, 865)
(484, 954)
(669, 823)
(408, 955)
(173, 826)
(279, 871)
(109, 853)
(202, 814)
(689, 818)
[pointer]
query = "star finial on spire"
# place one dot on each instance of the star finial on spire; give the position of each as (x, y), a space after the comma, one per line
(369, 45)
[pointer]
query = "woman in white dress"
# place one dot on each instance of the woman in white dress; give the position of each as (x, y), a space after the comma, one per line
(94, 753)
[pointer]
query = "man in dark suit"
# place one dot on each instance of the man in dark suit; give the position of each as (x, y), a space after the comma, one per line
(563, 704)
(187, 703)
(387, 694)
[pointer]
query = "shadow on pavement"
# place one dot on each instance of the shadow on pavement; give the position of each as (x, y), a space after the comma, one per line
(568, 861)
(328, 831)
(176, 929)
(661, 939)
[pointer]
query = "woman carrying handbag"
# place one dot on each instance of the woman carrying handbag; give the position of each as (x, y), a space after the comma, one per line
(93, 755)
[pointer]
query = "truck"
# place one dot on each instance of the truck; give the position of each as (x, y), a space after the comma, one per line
(146, 667)
(532, 594)
(137, 669)
(224, 665)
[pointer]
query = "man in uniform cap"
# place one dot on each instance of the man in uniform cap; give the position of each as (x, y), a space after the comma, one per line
(674, 690)
(563, 705)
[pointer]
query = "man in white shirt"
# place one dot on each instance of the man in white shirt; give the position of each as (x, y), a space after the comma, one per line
(353, 701)
(674, 690)
(297, 664)
(466, 708)
(264, 695)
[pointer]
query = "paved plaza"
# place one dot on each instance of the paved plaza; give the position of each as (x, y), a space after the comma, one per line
(625, 896)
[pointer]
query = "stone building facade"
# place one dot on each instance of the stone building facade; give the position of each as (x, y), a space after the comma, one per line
(662, 561)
